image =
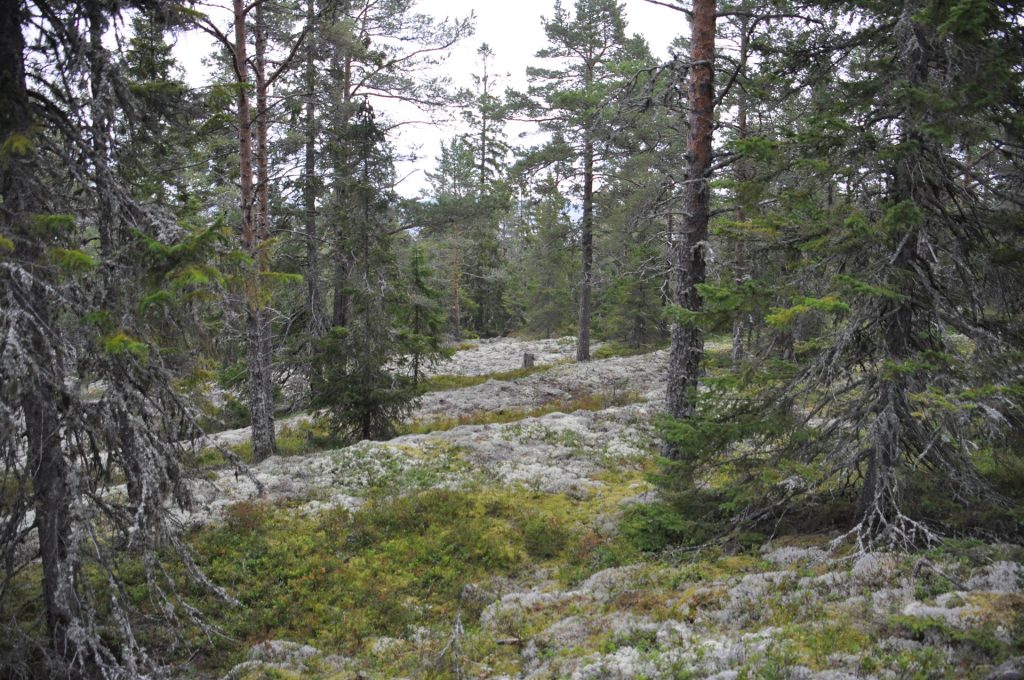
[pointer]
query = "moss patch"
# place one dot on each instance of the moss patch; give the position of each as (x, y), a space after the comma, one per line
(593, 402)
(440, 383)
(395, 566)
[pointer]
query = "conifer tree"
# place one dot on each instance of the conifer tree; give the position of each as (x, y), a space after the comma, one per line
(357, 380)
(86, 403)
(689, 239)
(908, 367)
(422, 334)
(586, 43)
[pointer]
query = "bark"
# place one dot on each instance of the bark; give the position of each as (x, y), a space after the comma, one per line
(254, 203)
(340, 161)
(53, 496)
(586, 251)
(687, 348)
(742, 322)
(456, 312)
(317, 324)
(101, 115)
(483, 136)
(893, 429)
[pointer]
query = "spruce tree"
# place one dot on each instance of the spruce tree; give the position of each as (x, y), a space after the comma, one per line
(422, 335)
(90, 425)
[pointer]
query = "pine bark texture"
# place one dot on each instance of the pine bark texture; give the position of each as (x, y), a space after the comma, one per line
(254, 203)
(586, 252)
(316, 323)
(687, 347)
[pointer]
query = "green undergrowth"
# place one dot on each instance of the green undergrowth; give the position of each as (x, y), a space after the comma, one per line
(609, 350)
(340, 580)
(385, 584)
(591, 402)
(299, 439)
(440, 383)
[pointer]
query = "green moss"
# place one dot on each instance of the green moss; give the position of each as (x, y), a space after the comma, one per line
(337, 580)
(609, 350)
(440, 383)
(594, 402)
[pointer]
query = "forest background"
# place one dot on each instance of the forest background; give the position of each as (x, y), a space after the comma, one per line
(835, 187)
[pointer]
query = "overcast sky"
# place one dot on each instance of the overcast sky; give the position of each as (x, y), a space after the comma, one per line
(512, 28)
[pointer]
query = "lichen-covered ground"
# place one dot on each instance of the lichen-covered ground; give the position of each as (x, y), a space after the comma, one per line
(487, 544)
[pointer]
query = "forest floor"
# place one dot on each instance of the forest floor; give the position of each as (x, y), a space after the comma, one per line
(489, 541)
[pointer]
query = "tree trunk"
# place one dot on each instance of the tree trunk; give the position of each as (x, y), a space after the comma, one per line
(587, 251)
(45, 459)
(483, 136)
(689, 241)
(317, 324)
(742, 322)
(53, 496)
(254, 202)
(100, 113)
(340, 160)
(894, 425)
(457, 299)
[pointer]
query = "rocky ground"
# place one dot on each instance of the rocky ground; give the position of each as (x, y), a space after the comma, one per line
(478, 358)
(793, 610)
(556, 452)
(495, 355)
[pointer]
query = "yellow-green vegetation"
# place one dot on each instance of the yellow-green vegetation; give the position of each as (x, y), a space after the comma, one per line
(340, 580)
(385, 584)
(609, 350)
(591, 402)
(302, 438)
(439, 383)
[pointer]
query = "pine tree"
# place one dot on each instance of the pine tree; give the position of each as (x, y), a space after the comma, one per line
(586, 45)
(907, 368)
(690, 236)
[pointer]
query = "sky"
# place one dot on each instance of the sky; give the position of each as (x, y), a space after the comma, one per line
(512, 29)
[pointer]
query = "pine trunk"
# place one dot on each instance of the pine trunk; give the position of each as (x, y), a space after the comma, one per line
(587, 252)
(317, 324)
(742, 322)
(254, 230)
(687, 348)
